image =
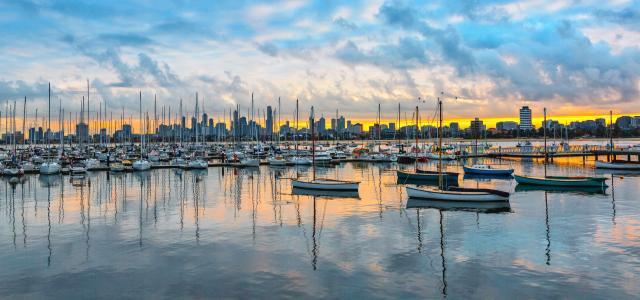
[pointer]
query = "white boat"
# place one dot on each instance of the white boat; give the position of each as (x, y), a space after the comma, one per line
(618, 165)
(29, 167)
(277, 160)
(198, 163)
(179, 162)
(384, 157)
(92, 164)
(487, 170)
(300, 160)
(250, 162)
(322, 158)
(78, 168)
(326, 184)
(117, 167)
(457, 194)
(12, 170)
(49, 168)
(37, 159)
(141, 165)
(435, 156)
(102, 156)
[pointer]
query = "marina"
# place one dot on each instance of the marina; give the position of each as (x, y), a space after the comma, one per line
(305, 149)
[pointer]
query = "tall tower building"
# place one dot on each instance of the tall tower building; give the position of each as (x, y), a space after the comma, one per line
(269, 121)
(525, 118)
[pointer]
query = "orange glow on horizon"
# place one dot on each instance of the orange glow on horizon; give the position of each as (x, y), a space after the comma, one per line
(490, 122)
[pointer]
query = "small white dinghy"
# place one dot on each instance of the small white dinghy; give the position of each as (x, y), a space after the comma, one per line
(141, 165)
(277, 160)
(457, 194)
(326, 185)
(198, 163)
(618, 165)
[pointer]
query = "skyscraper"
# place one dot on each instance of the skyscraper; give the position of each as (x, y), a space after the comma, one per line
(525, 118)
(269, 121)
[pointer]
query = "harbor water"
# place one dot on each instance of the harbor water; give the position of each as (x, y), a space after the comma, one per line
(243, 233)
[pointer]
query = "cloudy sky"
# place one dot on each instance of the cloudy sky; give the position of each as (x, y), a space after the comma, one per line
(576, 57)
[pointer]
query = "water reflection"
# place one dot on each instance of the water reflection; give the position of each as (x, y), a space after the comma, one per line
(260, 233)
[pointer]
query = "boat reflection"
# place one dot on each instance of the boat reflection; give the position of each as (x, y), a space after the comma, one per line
(424, 183)
(560, 189)
(630, 173)
(323, 193)
(49, 180)
(485, 207)
(486, 178)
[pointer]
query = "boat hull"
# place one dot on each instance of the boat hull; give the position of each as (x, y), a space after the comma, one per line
(465, 196)
(326, 185)
(479, 171)
(429, 176)
(49, 168)
(617, 165)
(559, 182)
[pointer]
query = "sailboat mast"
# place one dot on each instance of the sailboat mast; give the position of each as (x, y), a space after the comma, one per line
(544, 132)
(440, 144)
(296, 133)
(141, 126)
(24, 115)
(611, 132)
(313, 145)
(416, 136)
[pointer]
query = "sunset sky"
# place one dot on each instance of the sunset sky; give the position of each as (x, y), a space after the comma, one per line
(577, 58)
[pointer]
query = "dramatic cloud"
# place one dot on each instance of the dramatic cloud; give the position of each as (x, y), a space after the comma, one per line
(493, 55)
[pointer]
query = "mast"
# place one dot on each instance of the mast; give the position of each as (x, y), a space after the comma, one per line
(416, 136)
(440, 144)
(141, 127)
(611, 133)
(313, 146)
(398, 126)
(544, 132)
(24, 115)
(296, 133)
(180, 122)
(88, 115)
(197, 125)
(49, 119)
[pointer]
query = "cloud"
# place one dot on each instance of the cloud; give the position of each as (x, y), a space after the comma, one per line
(344, 23)
(627, 16)
(268, 48)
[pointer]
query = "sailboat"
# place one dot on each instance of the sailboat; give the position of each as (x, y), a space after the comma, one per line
(196, 161)
(322, 184)
(141, 164)
(450, 178)
(616, 164)
(565, 181)
(49, 167)
(247, 160)
(296, 159)
(453, 193)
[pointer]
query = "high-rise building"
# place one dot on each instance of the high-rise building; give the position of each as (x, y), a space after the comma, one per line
(454, 129)
(506, 125)
(476, 127)
(525, 118)
(341, 126)
(269, 124)
(321, 125)
(82, 132)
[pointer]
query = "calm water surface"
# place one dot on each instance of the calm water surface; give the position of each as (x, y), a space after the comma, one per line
(233, 233)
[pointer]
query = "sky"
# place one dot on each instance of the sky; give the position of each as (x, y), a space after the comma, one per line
(482, 58)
